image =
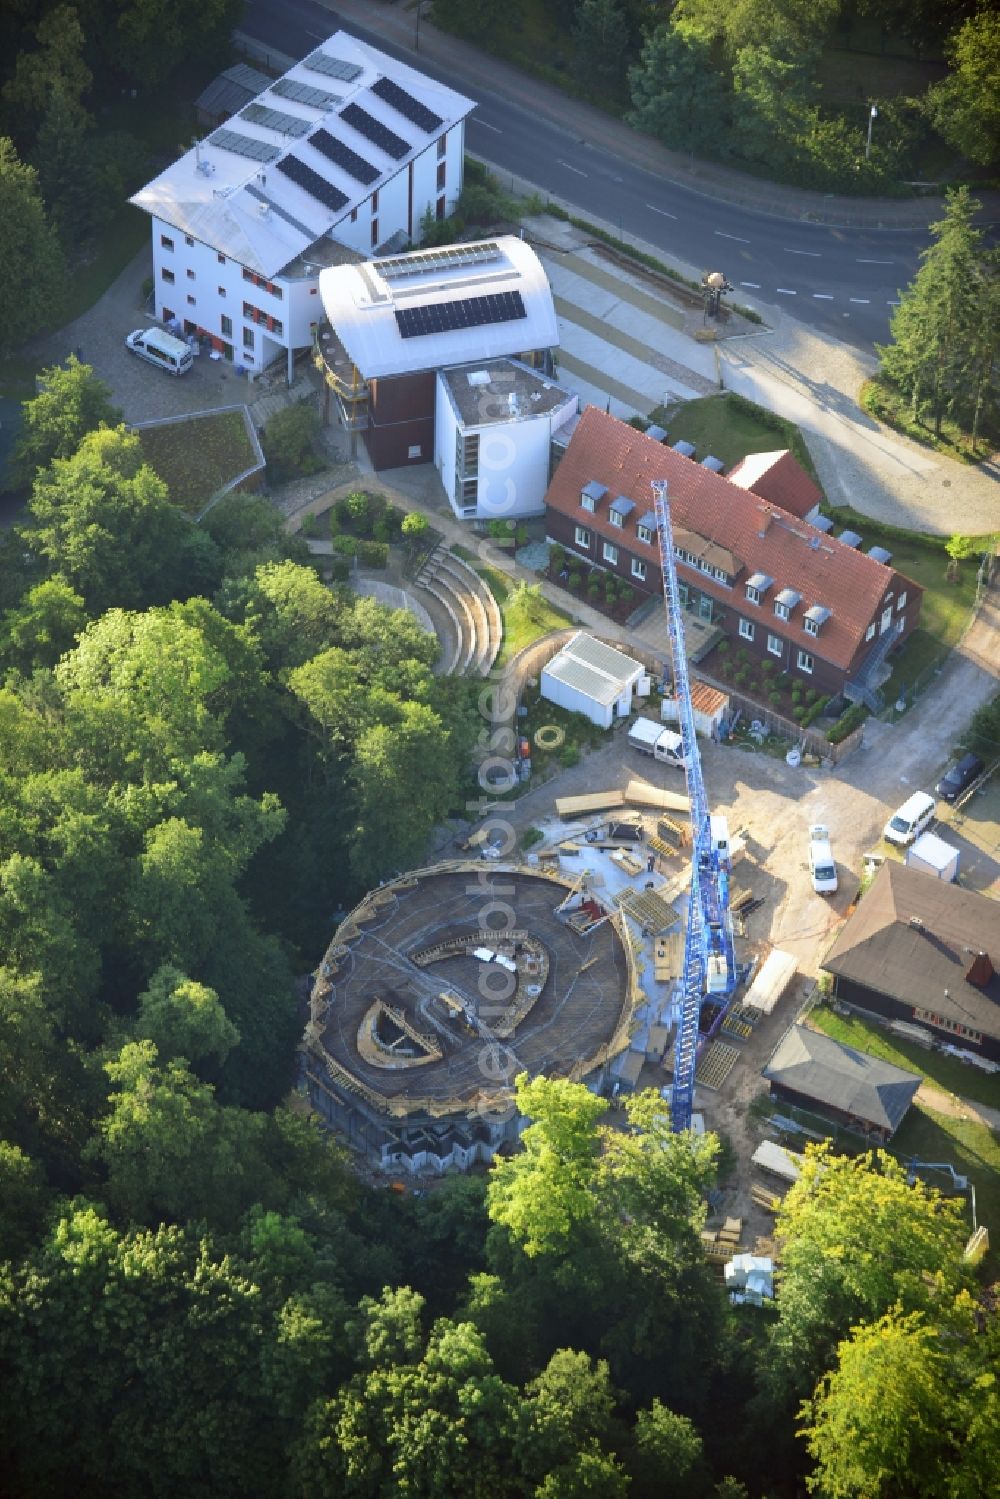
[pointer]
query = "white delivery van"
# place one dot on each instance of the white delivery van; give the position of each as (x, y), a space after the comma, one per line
(170, 353)
(822, 868)
(911, 819)
(651, 738)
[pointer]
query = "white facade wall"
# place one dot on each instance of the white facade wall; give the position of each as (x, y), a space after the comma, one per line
(575, 701)
(403, 200)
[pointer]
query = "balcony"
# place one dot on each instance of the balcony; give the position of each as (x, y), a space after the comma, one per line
(343, 378)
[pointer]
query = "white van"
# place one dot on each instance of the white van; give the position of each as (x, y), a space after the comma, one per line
(911, 819)
(822, 868)
(170, 353)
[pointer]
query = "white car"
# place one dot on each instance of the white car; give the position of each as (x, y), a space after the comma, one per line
(822, 868)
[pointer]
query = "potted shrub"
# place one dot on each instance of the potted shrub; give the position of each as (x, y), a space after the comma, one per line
(594, 589)
(574, 581)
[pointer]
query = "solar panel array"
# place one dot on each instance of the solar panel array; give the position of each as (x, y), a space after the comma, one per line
(452, 258)
(312, 183)
(471, 312)
(243, 145)
(275, 119)
(342, 156)
(405, 104)
(321, 62)
(304, 93)
(380, 135)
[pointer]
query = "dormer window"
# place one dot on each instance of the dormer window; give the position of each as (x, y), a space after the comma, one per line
(616, 518)
(785, 602)
(619, 510)
(753, 594)
(757, 585)
(591, 495)
(646, 527)
(814, 619)
(644, 534)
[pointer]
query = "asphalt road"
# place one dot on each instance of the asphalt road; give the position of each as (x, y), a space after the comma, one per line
(843, 281)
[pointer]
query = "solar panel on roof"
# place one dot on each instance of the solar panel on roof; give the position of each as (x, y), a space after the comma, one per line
(405, 104)
(342, 156)
(304, 93)
(471, 312)
(334, 67)
(365, 124)
(243, 145)
(312, 183)
(275, 119)
(453, 256)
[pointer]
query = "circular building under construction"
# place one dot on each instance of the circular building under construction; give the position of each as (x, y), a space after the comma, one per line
(445, 984)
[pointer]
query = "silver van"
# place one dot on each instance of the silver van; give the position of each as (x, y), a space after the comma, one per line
(153, 344)
(911, 819)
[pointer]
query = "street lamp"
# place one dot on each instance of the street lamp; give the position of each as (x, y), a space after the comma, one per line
(872, 115)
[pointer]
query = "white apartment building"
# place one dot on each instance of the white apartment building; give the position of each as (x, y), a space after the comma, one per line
(339, 158)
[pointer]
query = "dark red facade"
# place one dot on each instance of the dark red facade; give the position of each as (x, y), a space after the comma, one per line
(401, 420)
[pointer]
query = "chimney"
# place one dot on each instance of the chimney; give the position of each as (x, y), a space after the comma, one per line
(980, 972)
(765, 520)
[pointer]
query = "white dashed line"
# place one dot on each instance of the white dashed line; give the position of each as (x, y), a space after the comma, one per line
(653, 209)
(737, 237)
(860, 301)
(892, 304)
(786, 291)
(561, 163)
(815, 254)
(873, 262)
(822, 296)
(754, 285)
(487, 126)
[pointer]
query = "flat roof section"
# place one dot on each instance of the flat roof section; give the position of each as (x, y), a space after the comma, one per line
(481, 393)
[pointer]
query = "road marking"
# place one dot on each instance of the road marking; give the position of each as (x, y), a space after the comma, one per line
(814, 253)
(892, 304)
(618, 179)
(822, 296)
(487, 126)
(737, 237)
(754, 284)
(653, 208)
(873, 262)
(786, 291)
(561, 163)
(860, 301)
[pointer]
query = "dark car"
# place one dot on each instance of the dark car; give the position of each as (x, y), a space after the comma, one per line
(960, 777)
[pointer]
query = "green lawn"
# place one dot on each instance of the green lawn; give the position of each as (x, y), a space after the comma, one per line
(944, 1072)
(526, 617)
(887, 404)
(196, 457)
(972, 1149)
(731, 428)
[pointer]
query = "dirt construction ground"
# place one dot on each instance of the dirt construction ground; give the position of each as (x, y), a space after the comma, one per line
(774, 805)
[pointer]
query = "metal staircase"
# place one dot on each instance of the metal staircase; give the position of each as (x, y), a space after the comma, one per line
(862, 689)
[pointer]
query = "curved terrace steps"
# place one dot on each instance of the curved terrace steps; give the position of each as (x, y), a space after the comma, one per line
(471, 607)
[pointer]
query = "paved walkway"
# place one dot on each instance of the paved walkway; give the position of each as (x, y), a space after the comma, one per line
(473, 68)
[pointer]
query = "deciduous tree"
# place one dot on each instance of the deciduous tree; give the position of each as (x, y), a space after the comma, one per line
(965, 106)
(31, 289)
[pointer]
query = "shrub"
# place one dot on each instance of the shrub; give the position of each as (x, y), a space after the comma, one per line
(767, 667)
(557, 558)
(531, 836)
(333, 521)
(723, 648)
(289, 442)
(345, 546)
(594, 589)
(500, 530)
(774, 698)
(639, 423)
(392, 520)
(312, 525)
(373, 553)
(569, 756)
(358, 509)
(610, 588)
(847, 723)
(380, 530)
(521, 535)
(340, 570)
(626, 592)
(414, 526)
(574, 581)
(810, 694)
(741, 676)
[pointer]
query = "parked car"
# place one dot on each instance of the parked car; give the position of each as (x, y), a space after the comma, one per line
(821, 862)
(960, 777)
(911, 819)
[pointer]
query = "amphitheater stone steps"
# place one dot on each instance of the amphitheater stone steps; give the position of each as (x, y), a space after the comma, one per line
(471, 608)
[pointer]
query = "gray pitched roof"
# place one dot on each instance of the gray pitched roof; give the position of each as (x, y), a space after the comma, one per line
(818, 1067)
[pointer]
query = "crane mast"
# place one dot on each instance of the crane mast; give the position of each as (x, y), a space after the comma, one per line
(709, 957)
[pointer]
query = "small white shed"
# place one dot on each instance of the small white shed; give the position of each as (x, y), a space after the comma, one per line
(931, 855)
(776, 973)
(592, 678)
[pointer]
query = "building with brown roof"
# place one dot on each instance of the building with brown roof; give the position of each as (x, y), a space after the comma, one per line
(812, 1071)
(816, 607)
(781, 479)
(920, 949)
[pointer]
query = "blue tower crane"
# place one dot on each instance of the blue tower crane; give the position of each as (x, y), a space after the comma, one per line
(709, 956)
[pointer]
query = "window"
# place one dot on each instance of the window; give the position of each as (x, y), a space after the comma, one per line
(226, 324)
(775, 645)
(221, 259)
(439, 212)
(870, 633)
(805, 662)
(167, 276)
(810, 626)
(747, 630)
(192, 301)
(188, 240)
(901, 602)
(682, 594)
(582, 537)
(190, 274)
(221, 290)
(587, 501)
(615, 519)
(638, 570)
(644, 533)
(354, 215)
(166, 242)
(374, 233)
(375, 203)
(248, 338)
(442, 167)
(609, 552)
(442, 146)
(781, 610)
(720, 575)
(753, 594)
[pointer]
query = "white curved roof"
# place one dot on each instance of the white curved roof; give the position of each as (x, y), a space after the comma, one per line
(369, 305)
